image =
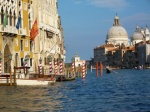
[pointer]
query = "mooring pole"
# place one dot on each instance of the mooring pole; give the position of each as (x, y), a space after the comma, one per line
(10, 77)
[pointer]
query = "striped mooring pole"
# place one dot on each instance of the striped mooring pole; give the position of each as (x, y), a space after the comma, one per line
(40, 66)
(72, 67)
(55, 67)
(60, 68)
(83, 69)
(50, 67)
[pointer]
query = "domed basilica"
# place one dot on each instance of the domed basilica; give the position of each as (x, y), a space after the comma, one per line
(117, 35)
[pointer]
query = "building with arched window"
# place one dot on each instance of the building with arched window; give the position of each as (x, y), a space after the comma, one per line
(15, 43)
(17, 48)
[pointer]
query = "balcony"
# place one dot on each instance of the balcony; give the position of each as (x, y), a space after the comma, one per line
(22, 32)
(52, 51)
(8, 30)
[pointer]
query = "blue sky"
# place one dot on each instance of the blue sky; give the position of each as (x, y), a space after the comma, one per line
(86, 22)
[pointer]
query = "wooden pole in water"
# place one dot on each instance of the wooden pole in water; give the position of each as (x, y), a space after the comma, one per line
(14, 75)
(97, 69)
(10, 77)
(101, 68)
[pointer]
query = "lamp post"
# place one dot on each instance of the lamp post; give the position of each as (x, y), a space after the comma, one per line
(25, 62)
(40, 60)
(27, 57)
(50, 58)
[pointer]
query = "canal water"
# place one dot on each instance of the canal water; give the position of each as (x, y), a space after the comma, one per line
(122, 90)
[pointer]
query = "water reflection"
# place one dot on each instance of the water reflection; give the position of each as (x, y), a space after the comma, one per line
(23, 98)
(126, 91)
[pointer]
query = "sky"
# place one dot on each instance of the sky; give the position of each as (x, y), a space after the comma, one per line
(86, 22)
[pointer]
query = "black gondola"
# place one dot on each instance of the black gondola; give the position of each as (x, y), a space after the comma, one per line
(108, 70)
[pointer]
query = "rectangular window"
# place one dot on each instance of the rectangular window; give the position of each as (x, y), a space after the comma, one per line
(21, 45)
(22, 63)
(25, 6)
(31, 45)
(26, 43)
(30, 61)
(46, 60)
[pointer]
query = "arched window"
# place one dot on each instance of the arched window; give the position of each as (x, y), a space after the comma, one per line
(2, 15)
(10, 18)
(14, 18)
(6, 17)
(19, 3)
(29, 22)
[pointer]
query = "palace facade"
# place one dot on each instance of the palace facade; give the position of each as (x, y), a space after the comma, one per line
(16, 46)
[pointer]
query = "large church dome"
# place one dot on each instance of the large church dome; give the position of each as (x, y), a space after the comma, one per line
(117, 34)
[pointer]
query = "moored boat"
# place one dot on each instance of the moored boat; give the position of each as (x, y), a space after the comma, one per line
(64, 78)
(108, 70)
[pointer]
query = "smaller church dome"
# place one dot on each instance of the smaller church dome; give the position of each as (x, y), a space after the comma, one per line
(137, 35)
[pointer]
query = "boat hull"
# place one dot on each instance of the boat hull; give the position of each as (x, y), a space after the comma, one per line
(108, 70)
(34, 82)
(63, 78)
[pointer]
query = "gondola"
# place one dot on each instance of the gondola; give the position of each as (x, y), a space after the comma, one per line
(108, 70)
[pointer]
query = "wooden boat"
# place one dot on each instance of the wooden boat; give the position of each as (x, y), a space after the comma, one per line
(64, 78)
(7, 80)
(69, 79)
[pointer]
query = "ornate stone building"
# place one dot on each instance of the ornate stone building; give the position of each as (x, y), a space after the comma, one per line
(117, 52)
(117, 35)
(137, 36)
(15, 44)
(16, 21)
(140, 35)
(50, 40)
